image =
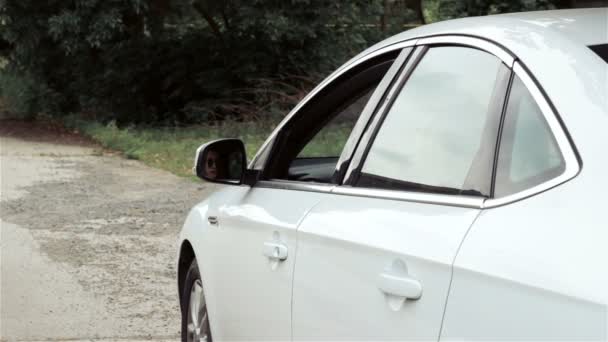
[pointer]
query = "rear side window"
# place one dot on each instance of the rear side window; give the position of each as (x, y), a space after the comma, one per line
(440, 133)
(529, 154)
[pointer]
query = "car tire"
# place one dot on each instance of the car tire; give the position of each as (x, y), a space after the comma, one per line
(195, 318)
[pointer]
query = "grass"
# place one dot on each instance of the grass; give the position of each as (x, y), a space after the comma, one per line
(329, 142)
(173, 149)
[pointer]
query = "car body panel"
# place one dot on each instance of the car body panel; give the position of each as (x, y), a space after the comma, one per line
(346, 242)
(534, 269)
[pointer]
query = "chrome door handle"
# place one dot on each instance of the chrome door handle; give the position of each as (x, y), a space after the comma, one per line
(275, 250)
(400, 286)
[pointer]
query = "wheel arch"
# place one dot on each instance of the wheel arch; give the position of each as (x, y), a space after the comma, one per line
(186, 256)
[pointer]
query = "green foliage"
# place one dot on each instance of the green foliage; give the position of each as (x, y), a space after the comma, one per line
(166, 62)
(449, 9)
(169, 62)
(328, 142)
(172, 148)
(24, 96)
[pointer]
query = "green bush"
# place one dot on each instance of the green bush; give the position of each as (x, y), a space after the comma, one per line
(171, 62)
(171, 148)
(25, 96)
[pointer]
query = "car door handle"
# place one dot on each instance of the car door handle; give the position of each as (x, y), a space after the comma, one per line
(400, 286)
(275, 250)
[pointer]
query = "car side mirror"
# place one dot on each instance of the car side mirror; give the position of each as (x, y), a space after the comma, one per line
(221, 161)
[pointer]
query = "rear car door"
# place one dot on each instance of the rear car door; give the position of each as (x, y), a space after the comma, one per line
(374, 258)
(249, 256)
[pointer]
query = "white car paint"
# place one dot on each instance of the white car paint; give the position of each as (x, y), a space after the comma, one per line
(253, 289)
(533, 270)
(346, 244)
(527, 270)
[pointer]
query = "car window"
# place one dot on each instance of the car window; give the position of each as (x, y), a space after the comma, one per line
(330, 140)
(528, 154)
(310, 144)
(601, 50)
(439, 135)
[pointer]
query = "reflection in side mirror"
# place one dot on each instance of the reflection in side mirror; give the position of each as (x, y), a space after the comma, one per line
(221, 161)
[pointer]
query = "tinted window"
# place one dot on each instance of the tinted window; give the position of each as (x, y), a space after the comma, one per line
(330, 140)
(529, 154)
(432, 138)
(308, 147)
(601, 50)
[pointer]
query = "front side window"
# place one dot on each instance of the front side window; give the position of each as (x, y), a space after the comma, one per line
(317, 160)
(310, 144)
(529, 154)
(440, 133)
(330, 140)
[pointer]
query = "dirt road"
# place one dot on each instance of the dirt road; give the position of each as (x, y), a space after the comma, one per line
(87, 244)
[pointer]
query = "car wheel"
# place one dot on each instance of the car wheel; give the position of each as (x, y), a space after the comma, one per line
(195, 318)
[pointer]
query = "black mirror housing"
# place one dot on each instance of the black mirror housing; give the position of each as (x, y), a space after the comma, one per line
(221, 161)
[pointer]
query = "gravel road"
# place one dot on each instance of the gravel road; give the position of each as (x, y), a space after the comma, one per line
(88, 244)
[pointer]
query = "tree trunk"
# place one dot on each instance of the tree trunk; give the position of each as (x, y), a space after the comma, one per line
(416, 6)
(158, 12)
(384, 15)
(215, 27)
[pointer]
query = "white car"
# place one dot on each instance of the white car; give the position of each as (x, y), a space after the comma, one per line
(464, 199)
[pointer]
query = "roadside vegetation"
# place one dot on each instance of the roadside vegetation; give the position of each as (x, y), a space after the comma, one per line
(171, 148)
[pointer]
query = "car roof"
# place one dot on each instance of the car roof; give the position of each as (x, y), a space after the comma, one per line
(582, 27)
(587, 26)
(530, 36)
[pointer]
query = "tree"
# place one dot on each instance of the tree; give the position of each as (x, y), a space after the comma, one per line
(161, 61)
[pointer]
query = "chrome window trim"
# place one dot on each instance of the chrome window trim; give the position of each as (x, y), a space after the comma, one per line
(568, 152)
(341, 71)
(408, 196)
(469, 41)
(294, 185)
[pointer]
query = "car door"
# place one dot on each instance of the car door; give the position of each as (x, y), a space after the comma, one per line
(374, 258)
(250, 252)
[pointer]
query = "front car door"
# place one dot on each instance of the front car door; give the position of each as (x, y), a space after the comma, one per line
(249, 254)
(374, 258)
